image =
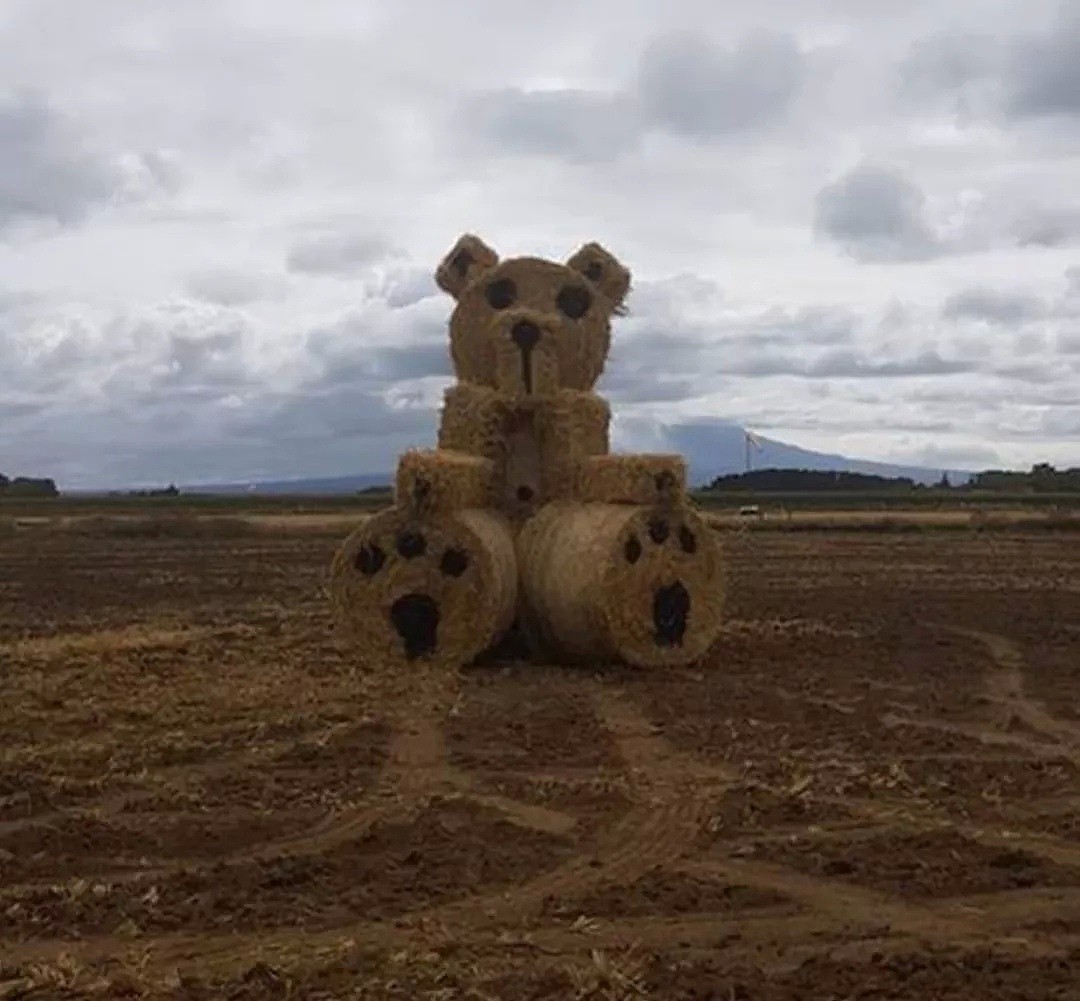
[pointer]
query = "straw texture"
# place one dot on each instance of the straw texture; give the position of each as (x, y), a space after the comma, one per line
(631, 479)
(572, 426)
(414, 594)
(472, 420)
(621, 582)
(442, 481)
(572, 317)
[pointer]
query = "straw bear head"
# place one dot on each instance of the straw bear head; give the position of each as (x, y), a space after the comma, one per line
(528, 326)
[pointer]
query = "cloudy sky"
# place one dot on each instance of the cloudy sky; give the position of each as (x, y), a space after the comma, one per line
(853, 225)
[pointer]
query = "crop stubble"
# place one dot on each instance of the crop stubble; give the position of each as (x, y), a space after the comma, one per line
(873, 780)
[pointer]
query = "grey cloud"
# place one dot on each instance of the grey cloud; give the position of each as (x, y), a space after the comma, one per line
(689, 87)
(1043, 227)
(342, 354)
(1044, 69)
(849, 364)
(1028, 74)
(313, 413)
(579, 126)
(45, 171)
(811, 325)
(665, 357)
(409, 286)
(950, 67)
(875, 215)
(230, 287)
(164, 170)
(1002, 308)
(685, 86)
(1068, 342)
(1031, 372)
(936, 456)
(178, 397)
(339, 253)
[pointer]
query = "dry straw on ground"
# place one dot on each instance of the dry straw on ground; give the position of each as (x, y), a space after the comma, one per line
(413, 594)
(642, 585)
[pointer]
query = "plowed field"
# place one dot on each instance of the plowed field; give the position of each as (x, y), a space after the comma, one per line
(871, 789)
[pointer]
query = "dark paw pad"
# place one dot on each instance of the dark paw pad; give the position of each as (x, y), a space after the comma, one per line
(454, 562)
(671, 608)
(411, 544)
(369, 560)
(659, 531)
(416, 619)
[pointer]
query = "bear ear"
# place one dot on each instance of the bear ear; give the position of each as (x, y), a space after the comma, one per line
(469, 258)
(600, 268)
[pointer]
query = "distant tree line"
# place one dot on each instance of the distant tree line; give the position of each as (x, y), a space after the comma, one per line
(26, 486)
(807, 480)
(1043, 478)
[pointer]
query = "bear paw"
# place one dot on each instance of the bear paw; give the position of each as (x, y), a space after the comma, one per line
(641, 585)
(434, 591)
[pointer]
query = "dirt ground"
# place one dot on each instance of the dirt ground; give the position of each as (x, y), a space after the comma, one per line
(869, 790)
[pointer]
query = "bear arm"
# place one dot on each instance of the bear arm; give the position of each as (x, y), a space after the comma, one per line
(632, 479)
(441, 481)
(472, 420)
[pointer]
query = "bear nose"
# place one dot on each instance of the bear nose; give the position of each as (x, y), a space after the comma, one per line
(525, 335)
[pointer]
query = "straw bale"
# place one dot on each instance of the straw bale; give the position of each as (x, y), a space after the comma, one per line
(441, 481)
(571, 426)
(621, 582)
(632, 479)
(473, 419)
(574, 317)
(603, 271)
(468, 258)
(431, 593)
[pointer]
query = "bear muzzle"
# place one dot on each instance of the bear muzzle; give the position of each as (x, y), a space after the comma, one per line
(527, 362)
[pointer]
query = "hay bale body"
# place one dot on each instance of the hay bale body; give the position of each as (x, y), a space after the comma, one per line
(620, 582)
(521, 510)
(535, 444)
(572, 427)
(432, 593)
(441, 481)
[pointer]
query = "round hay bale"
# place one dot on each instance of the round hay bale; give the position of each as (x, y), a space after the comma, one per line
(635, 584)
(410, 594)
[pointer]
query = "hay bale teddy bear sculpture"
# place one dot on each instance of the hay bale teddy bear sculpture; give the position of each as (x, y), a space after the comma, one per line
(521, 516)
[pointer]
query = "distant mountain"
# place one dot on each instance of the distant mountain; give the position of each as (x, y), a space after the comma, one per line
(716, 448)
(321, 486)
(712, 448)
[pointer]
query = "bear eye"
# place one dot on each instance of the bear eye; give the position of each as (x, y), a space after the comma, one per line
(594, 272)
(574, 301)
(501, 293)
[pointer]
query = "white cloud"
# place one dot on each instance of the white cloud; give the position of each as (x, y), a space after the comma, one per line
(219, 221)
